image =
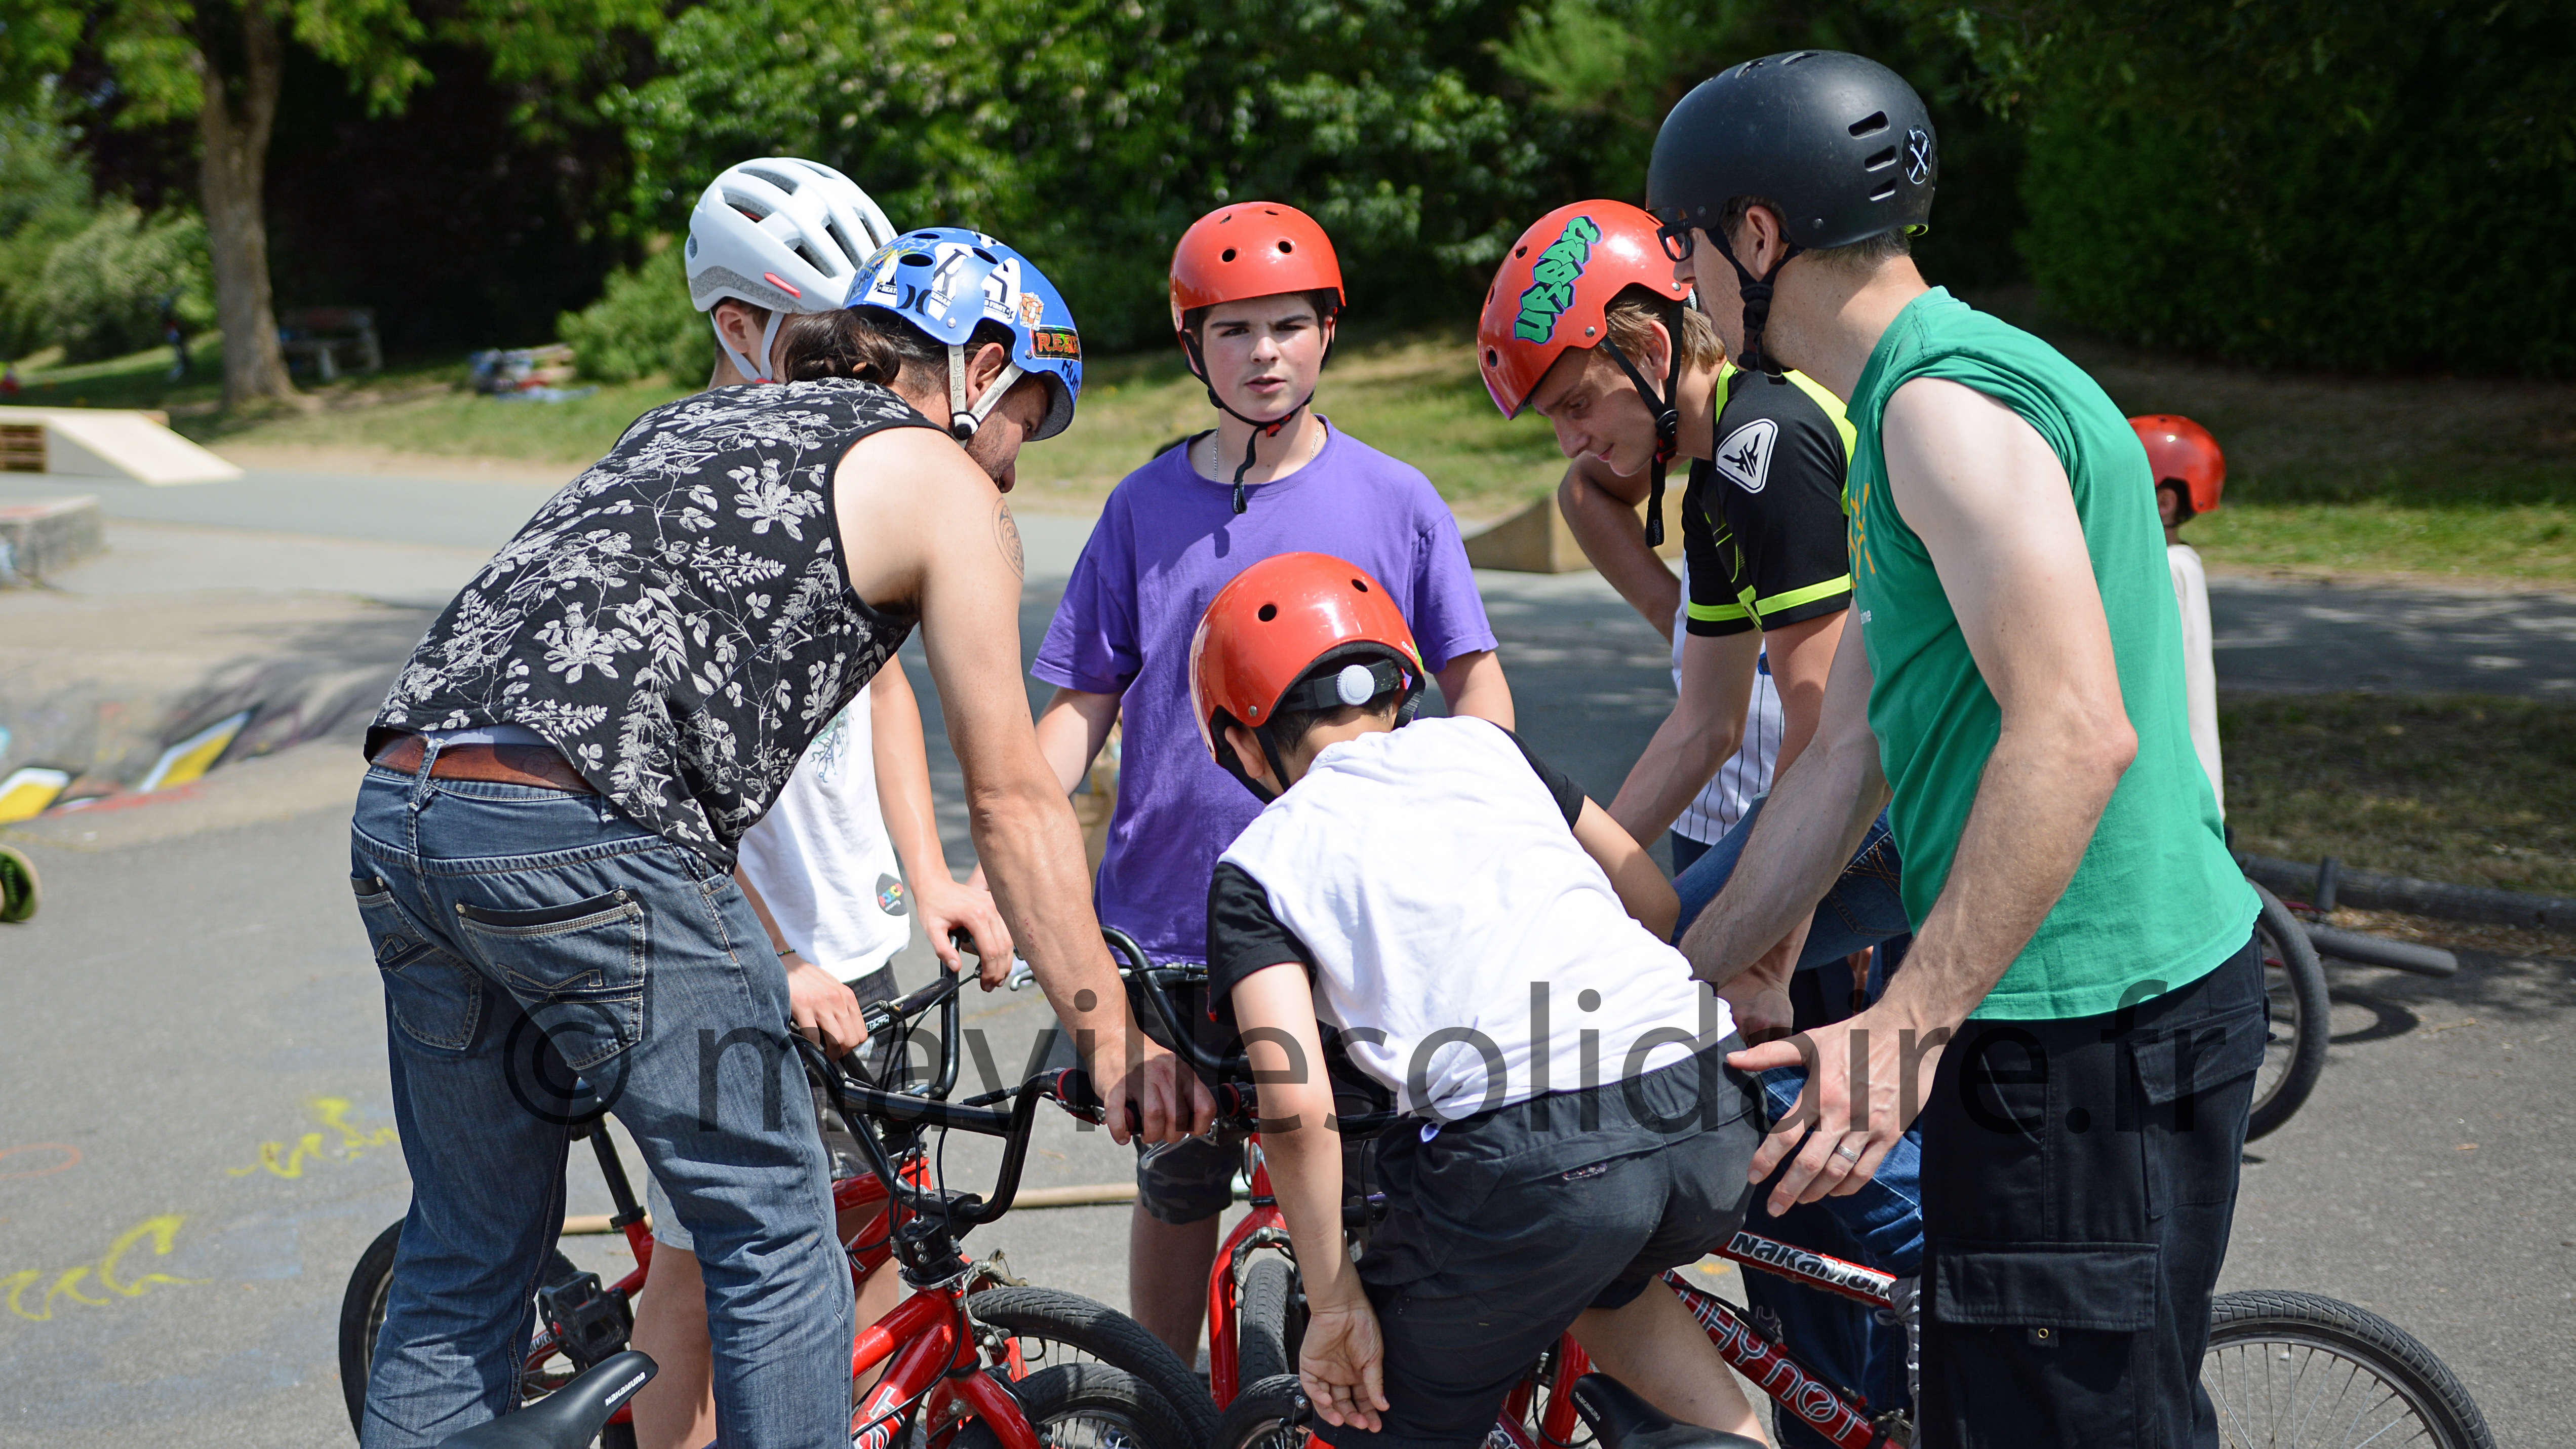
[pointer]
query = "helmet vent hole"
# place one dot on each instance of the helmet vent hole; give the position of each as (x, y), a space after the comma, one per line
(1268, 613)
(913, 259)
(1522, 252)
(1226, 256)
(1360, 584)
(1883, 193)
(1880, 160)
(1493, 358)
(1286, 245)
(1869, 125)
(987, 257)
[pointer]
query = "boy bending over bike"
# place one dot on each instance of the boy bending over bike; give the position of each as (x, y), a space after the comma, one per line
(1488, 943)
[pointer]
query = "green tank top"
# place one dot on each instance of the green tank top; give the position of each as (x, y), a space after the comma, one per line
(2156, 903)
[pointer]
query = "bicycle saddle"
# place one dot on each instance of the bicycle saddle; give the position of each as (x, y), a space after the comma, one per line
(568, 1418)
(1622, 1420)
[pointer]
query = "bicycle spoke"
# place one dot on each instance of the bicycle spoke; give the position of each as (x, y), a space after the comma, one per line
(2307, 1396)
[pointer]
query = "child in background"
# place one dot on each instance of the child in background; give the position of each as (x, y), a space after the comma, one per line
(2190, 474)
(1256, 292)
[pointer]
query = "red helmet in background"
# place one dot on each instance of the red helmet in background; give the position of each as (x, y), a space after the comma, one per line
(1252, 249)
(1270, 639)
(1555, 286)
(2180, 450)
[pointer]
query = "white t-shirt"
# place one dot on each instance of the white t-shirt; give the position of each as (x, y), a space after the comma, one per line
(1747, 773)
(1432, 879)
(2199, 670)
(821, 858)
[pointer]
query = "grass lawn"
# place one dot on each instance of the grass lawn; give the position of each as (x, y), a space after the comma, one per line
(2448, 788)
(2442, 480)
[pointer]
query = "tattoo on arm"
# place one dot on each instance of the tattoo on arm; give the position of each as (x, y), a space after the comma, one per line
(1007, 534)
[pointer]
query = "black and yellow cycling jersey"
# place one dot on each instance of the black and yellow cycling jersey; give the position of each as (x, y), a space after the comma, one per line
(1762, 524)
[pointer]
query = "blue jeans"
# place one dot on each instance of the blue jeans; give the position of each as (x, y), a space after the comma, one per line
(1881, 1225)
(1861, 910)
(527, 936)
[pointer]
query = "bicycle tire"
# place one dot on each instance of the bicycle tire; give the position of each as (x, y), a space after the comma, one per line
(1113, 1338)
(2313, 1354)
(1266, 1328)
(2294, 992)
(1269, 1413)
(362, 1314)
(1087, 1406)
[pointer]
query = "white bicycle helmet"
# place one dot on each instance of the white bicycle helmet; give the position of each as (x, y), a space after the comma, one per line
(782, 233)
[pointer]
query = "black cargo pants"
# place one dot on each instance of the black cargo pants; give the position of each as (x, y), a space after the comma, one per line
(2079, 1177)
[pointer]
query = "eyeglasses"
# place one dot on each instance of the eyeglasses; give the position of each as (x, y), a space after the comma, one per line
(1677, 239)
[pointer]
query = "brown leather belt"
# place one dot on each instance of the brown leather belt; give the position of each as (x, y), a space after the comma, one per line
(498, 764)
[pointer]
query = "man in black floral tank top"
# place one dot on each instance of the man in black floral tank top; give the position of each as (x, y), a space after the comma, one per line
(543, 847)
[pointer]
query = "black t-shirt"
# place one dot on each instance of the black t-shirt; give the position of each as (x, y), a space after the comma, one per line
(1245, 937)
(1762, 526)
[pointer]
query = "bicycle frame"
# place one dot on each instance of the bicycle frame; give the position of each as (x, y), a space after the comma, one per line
(1262, 1227)
(1771, 1367)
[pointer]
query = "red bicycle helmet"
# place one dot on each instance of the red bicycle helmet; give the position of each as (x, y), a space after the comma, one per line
(1554, 288)
(1271, 639)
(1554, 292)
(2182, 451)
(1254, 249)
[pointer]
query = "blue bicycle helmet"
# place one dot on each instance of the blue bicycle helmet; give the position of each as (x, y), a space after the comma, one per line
(944, 280)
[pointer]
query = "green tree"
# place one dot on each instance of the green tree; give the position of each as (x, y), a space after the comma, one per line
(218, 62)
(1089, 133)
(2305, 183)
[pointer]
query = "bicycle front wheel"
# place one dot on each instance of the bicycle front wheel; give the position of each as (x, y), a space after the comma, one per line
(1268, 1414)
(1087, 1406)
(2300, 1371)
(1058, 1329)
(2294, 994)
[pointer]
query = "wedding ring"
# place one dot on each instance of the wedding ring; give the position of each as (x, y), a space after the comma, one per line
(1846, 1154)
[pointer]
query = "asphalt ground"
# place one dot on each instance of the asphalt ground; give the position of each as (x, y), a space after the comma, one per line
(193, 1103)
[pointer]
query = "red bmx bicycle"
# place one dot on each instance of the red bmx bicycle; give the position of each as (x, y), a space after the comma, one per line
(973, 1355)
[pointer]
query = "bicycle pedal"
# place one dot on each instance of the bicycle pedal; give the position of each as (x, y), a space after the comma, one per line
(589, 1322)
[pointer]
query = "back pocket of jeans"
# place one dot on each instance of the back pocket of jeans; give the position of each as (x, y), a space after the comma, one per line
(578, 968)
(434, 999)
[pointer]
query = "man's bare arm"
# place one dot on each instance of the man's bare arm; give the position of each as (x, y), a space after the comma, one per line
(1993, 507)
(1600, 508)
(1639, 882)
(912, 828)
(937, 537)
(1819, 809)
(1694, 741)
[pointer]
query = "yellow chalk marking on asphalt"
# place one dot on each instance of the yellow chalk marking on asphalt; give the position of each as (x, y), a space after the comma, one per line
(333, 1112)
(25, 793)
(162, 1232)
(192, 757)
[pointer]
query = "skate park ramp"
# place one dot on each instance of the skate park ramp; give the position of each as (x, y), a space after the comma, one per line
(106, 443)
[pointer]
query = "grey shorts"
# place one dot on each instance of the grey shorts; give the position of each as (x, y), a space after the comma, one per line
(1191, 1180)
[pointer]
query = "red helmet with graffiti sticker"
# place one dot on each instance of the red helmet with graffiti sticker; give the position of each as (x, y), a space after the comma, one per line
(2182, 451)
(1555, 286)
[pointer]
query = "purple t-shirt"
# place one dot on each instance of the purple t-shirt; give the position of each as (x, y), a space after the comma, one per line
(1166, 542)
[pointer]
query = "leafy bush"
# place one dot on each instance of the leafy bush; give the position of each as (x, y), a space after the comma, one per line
(102, 290)
(44, 199)
(2302, 183)
(641, 325)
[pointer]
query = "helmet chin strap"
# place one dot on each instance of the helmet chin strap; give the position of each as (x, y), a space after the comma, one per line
(1757, 297)
(751, 371)
(963, 420)
(1668, 422)
(1260, 429)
